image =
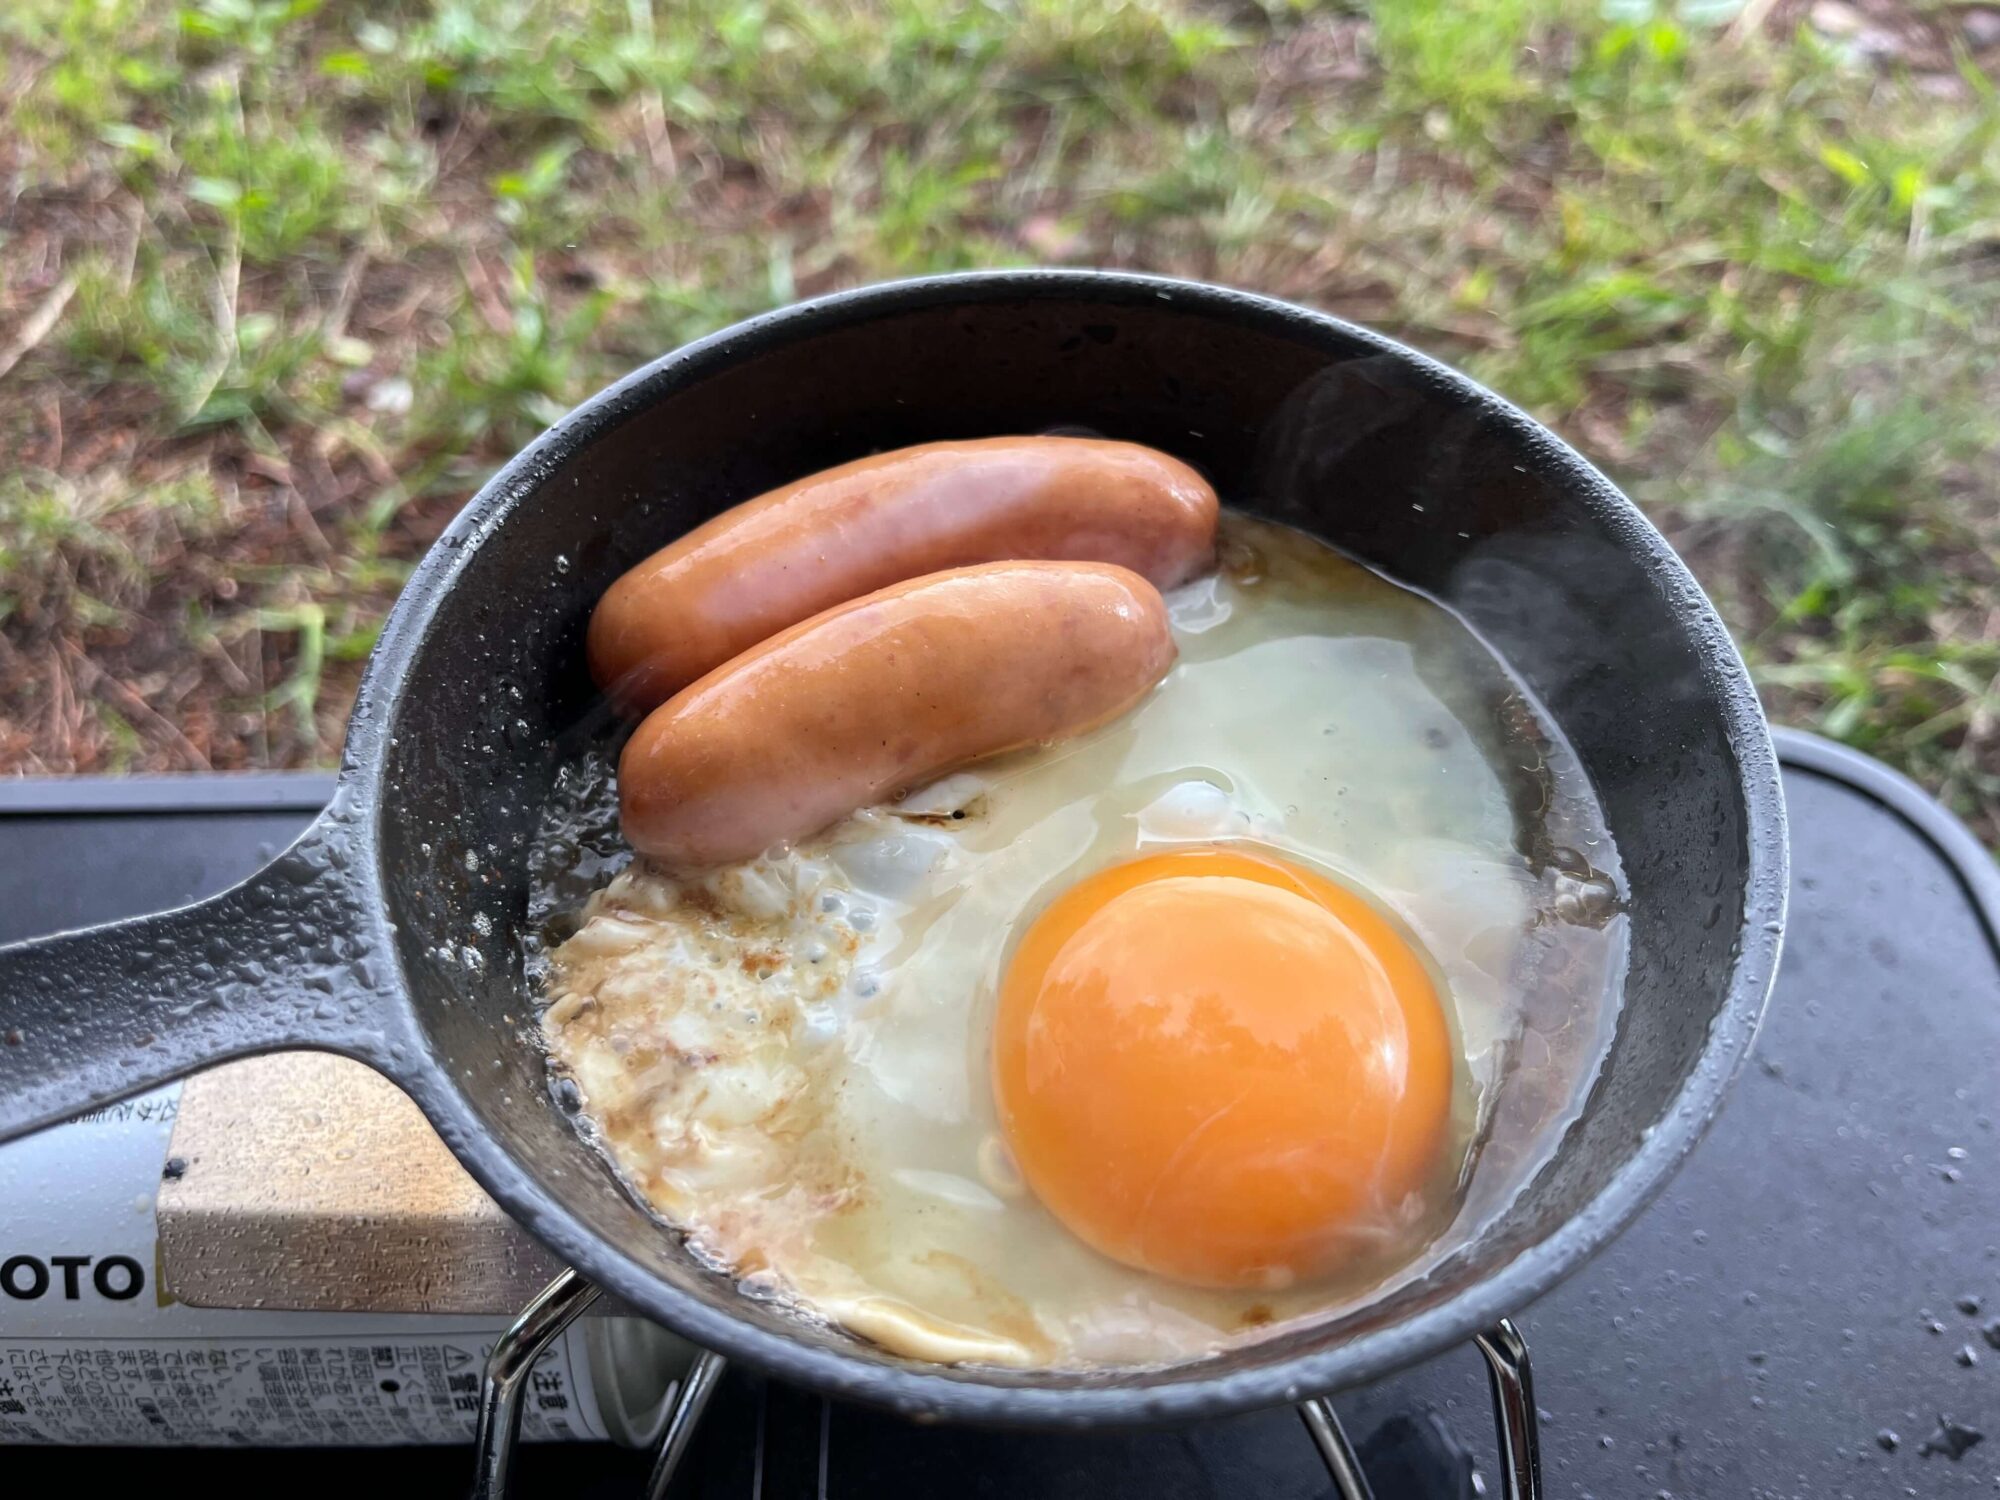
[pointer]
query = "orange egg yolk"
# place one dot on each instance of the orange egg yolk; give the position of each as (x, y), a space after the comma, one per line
(1223, 1069)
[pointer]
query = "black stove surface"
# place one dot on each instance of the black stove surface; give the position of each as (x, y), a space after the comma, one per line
(1789, 1319)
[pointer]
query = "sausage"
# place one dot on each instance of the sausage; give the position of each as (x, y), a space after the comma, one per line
(845, 532)
(885, 693)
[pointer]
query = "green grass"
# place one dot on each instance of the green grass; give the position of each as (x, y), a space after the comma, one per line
(326, 265)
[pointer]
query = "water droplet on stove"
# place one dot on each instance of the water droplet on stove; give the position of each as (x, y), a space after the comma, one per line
(562, 562)
(1953, 1439)
(1888, 1440)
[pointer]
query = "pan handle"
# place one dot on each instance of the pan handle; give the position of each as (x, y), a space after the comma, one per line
(295, 956)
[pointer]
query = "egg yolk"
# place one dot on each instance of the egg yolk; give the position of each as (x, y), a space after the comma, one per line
(1223, 1069)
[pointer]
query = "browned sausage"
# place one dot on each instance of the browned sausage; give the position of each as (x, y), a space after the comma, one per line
(884, 693)
(837, 535)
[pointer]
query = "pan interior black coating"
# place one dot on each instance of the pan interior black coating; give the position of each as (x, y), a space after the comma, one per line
(1297, 417)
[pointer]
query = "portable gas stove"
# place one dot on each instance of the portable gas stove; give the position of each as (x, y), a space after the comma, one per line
(279, 1254)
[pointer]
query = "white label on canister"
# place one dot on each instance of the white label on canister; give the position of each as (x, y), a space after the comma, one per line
(273, 1392)
(92, 1351)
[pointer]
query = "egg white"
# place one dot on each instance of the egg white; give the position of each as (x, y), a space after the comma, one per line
(789, 1058)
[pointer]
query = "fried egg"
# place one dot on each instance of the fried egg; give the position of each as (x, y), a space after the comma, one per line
(1237, 1011)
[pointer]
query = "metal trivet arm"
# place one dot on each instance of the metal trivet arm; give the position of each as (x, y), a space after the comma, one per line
(689, 1402)
(1506, 1356)
(514, 1354)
